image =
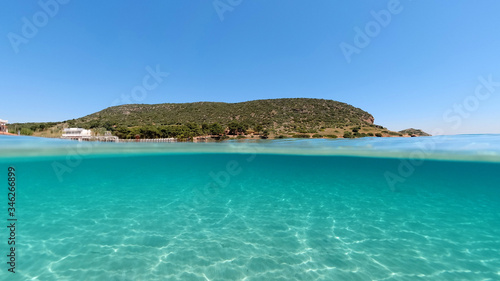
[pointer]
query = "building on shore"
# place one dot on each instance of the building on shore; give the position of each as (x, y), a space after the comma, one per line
(3, 126)
(76, 134)
(81, 134)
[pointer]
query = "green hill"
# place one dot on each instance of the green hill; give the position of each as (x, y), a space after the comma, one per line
(272, 113)
(289, 117)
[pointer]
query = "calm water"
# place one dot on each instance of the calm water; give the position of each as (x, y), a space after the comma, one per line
(365, 209)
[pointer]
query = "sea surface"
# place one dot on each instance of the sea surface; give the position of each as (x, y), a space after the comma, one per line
(423, 208)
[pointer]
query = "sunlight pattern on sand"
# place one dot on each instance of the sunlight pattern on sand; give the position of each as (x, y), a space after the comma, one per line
(281, 217)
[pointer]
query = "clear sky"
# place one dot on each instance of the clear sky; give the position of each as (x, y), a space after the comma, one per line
(409, 63)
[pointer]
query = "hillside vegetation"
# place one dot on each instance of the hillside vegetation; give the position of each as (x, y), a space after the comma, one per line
(290, 117)
(287, 113)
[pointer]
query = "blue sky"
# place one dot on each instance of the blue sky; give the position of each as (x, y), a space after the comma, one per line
(421, 67)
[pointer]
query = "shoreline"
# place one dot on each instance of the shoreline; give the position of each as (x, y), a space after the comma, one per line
(7, 134)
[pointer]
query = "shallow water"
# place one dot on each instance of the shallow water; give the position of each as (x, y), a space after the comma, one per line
(364, 209)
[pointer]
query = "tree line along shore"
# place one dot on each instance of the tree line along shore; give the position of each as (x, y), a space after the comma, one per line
(216, 131)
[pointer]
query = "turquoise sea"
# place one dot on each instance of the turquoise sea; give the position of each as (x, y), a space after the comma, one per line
(366, 209)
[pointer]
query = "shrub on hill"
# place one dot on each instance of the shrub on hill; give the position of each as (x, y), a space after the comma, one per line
(348, 135)
(303, 136)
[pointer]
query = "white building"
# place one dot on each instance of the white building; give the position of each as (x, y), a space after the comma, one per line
(3, 126)
(76, 134)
